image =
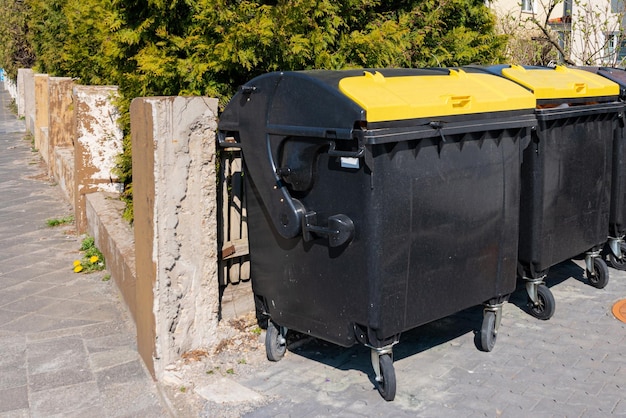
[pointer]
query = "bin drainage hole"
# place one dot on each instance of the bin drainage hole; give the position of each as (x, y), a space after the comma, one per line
(619, 310)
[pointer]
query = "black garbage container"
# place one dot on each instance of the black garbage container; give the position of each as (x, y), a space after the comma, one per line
(616, 247)
(566, 175)
(379, 200)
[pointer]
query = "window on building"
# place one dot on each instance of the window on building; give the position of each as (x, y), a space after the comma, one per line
(617, 6)
(614, 49)
(567, 7)
(528, 6)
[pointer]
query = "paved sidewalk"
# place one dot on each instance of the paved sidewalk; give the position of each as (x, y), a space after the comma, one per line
(573, 365)
(67, 344)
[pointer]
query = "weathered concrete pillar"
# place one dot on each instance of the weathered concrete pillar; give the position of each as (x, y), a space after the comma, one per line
(97, 143)
(21, 74)
(64, 173)
(40, 131)
(60, 118)
(29, 100)
(174, 194)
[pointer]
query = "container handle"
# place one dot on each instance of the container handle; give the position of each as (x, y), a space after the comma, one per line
(332, 151)
(459, 102)
(340, 228)
(580, 88)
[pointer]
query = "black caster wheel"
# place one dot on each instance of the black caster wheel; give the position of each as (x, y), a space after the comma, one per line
(615, 262)
(488, 333)
(387, 386)
(275, 343)
(600, 277)
(545, 307)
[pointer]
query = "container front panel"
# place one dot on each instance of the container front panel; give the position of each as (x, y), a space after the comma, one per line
(449, 221)
(566, 186)
(436, 232)
(309, 286)
(617, 217)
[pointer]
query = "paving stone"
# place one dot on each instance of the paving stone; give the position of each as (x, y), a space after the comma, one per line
(64, 400)
(132, 371)
(13, 398)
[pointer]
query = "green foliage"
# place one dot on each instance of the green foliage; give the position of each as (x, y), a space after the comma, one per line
(15, 50)
(210, 47)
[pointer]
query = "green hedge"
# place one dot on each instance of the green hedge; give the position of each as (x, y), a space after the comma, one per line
(209, 47)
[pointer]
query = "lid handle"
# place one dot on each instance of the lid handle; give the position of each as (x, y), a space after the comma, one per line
(580, 88)
(460, 102)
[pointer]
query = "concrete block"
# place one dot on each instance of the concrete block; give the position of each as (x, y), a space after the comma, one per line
(29, 99)
(115, 239)
(64, 172)
(175, 226)
(41, 115)
(97, 143)
(21, 73)
(60, 117)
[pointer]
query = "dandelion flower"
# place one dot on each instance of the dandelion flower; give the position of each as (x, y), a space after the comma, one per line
(78, 268)
(76, 263)
(93, 259)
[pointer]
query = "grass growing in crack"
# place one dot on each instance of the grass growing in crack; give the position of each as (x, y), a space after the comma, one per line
(60, 221)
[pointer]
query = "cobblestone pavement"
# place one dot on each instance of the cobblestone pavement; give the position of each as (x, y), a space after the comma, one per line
(572, 365)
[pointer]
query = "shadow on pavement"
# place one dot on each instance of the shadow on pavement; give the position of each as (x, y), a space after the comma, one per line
(424, 337)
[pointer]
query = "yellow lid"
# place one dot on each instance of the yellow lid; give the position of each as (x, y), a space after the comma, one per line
(410, 97)
(562, 82)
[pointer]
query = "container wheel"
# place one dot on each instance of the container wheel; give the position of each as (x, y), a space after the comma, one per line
(545, 307)
(600, 277)
(488, 333)
(275, 343)
(387, 385)
(615, 262)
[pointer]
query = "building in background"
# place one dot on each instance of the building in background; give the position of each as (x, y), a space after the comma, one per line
(575, 32)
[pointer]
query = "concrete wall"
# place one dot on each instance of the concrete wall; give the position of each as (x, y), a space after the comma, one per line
(175, 203)
(29, 100)
(41, 116)
(166, 265)
(97, 142)
(60, 117)
(114, 238)
(64, 172)
(21, 73)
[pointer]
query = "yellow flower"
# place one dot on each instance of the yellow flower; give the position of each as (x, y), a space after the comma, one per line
(76, 263)
(93, 259)
(78, 268)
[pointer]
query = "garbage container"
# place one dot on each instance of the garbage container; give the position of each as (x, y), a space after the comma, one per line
(379, 200)
(566, 175)
(616, 247)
